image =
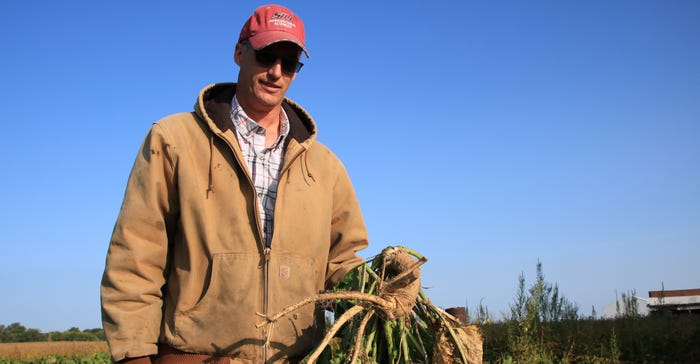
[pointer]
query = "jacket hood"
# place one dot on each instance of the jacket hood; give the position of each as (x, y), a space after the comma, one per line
(214, 106)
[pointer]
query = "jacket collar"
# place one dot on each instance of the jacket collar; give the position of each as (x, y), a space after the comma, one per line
(214, 106)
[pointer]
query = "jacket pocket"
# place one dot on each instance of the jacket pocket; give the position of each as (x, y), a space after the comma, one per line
(292, 279)
(223, 321)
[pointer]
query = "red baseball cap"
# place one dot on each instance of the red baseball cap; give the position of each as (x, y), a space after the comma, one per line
(271, 24)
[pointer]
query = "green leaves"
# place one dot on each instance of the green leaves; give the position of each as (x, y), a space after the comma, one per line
(427, 335)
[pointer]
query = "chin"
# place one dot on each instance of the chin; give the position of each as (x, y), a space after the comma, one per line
(270, 101)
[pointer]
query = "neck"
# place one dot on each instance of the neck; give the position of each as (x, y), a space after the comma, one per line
(267, 117)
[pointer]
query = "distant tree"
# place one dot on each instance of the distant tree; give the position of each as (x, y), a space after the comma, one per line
(74, 334)
(630, 305)
(97, 332)
(15, 333)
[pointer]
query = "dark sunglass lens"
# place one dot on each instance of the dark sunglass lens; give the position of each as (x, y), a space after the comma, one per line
(289, 65)
(264, 58)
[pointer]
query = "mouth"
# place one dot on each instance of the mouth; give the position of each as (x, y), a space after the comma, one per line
(269, 86)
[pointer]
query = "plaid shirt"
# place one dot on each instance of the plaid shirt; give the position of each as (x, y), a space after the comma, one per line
(263, 163)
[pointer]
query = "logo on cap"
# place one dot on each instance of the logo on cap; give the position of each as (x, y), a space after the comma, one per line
(283, 20)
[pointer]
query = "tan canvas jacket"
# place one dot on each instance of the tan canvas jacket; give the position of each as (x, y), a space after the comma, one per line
(186, 264)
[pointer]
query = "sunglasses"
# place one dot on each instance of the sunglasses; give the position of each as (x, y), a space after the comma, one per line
(268, 59)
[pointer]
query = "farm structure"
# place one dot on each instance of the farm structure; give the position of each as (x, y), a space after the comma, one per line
(675, 302)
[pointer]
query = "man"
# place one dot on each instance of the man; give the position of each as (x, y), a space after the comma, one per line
(231, 213)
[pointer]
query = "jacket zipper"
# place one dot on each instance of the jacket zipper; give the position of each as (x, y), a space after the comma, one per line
(266, 279)
(266, 249)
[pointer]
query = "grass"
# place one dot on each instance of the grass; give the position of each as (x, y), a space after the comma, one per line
(54, 352)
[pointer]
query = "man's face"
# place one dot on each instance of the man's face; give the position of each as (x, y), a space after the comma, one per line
(263, 80)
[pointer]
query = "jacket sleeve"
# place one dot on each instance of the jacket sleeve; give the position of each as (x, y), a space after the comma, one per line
(135, 269)
(348, 231)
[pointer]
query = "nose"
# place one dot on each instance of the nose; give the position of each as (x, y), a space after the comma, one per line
(275, 71)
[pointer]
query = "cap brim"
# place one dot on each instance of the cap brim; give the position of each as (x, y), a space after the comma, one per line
(262, 40)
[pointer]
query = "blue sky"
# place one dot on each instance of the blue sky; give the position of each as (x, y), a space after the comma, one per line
(487, 135)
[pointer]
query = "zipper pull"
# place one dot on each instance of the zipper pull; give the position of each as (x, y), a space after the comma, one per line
(266, 252)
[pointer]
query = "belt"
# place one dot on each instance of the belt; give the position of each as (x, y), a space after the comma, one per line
(169, 355)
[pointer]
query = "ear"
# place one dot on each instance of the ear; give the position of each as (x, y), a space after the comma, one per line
(238, 53)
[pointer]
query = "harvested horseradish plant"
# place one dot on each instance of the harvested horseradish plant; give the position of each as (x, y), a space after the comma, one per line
(382, 315)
